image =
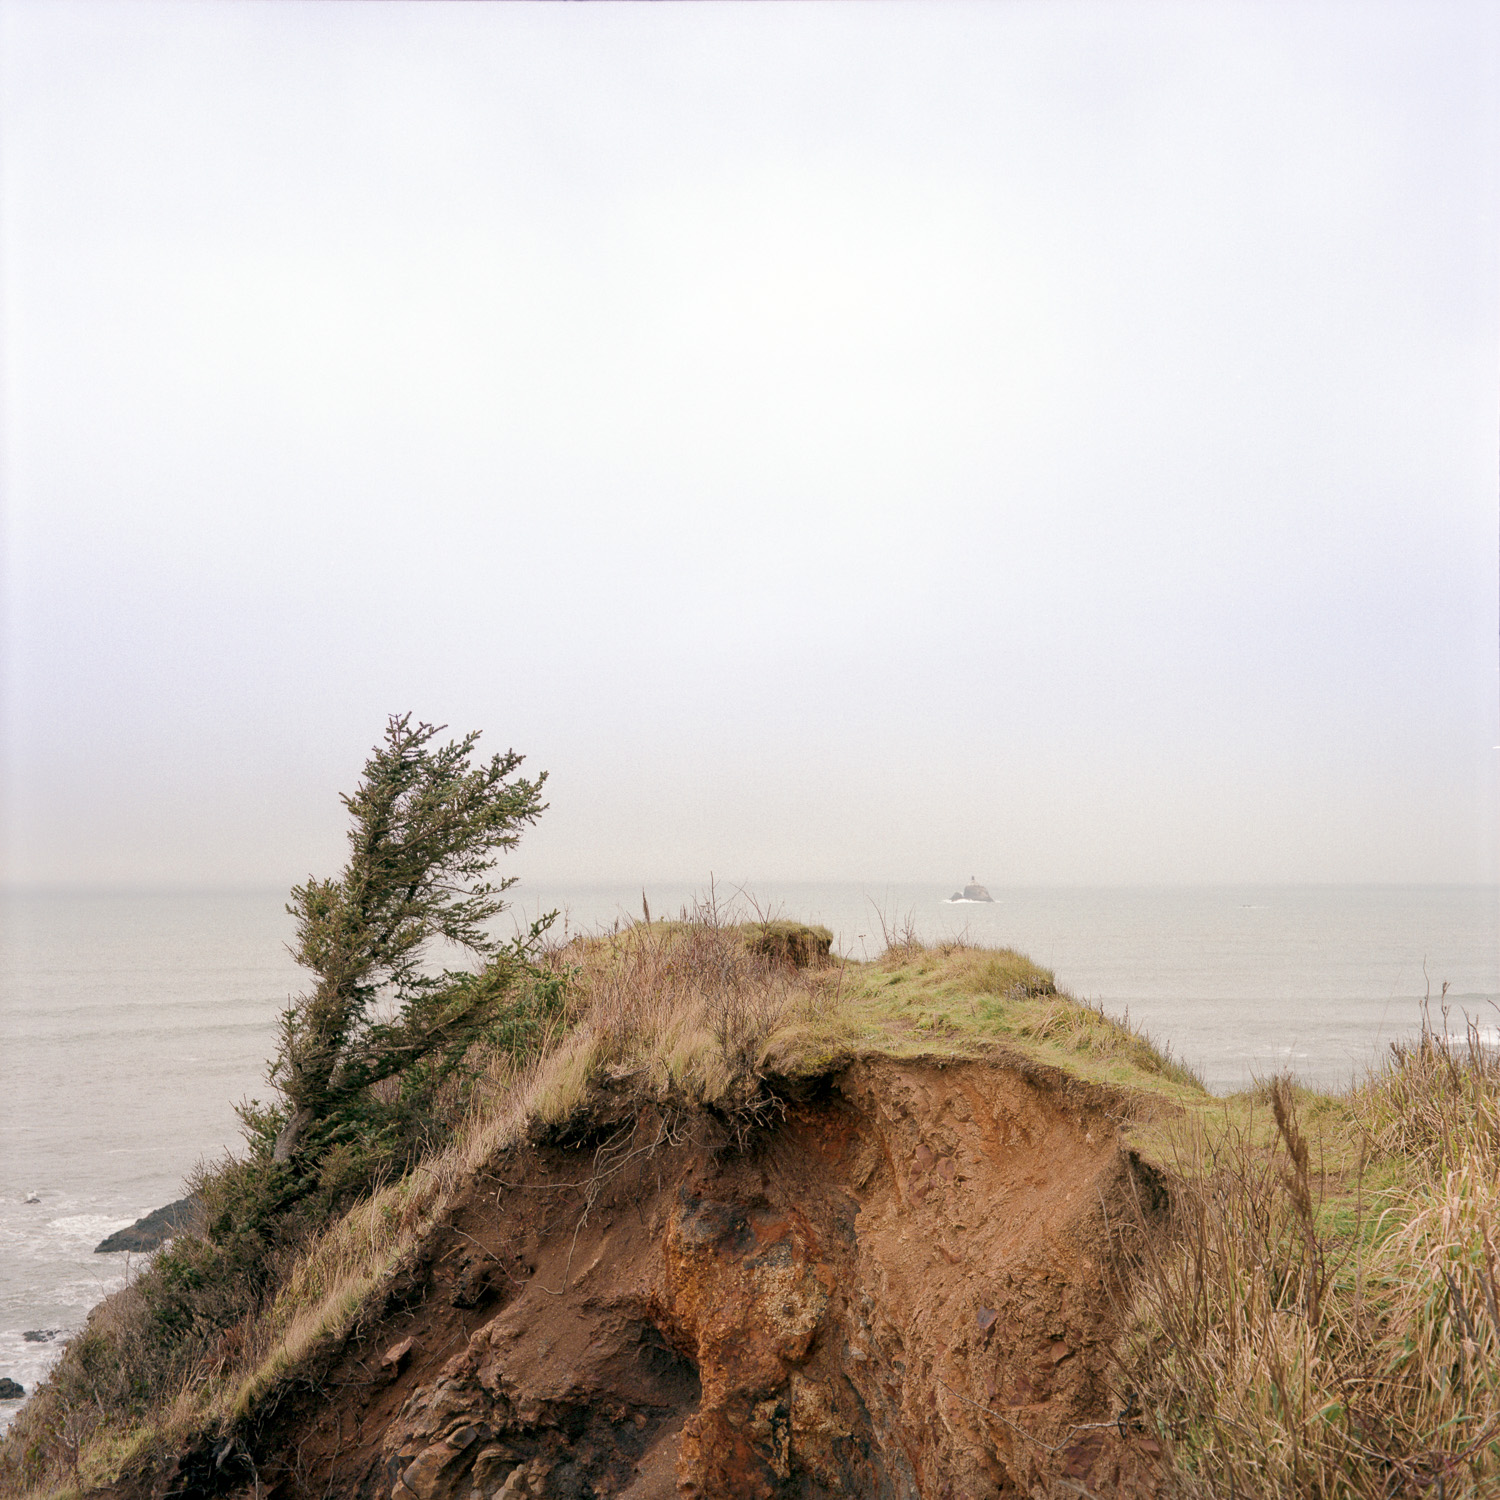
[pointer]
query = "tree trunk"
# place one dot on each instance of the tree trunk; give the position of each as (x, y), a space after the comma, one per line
(291, 1134)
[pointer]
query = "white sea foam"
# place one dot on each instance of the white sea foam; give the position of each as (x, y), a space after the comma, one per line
(88, 1228)
(26, 1363)
(1486, 1036)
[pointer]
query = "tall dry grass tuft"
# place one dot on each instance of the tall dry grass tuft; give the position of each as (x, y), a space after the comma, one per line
(1437, 1100)
(685, 1009)
(1323, 1318)
(900, 940)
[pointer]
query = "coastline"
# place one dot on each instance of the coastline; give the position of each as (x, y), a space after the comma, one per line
(190, 977)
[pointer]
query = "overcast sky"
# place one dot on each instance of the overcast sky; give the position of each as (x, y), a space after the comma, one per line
(1052, 441)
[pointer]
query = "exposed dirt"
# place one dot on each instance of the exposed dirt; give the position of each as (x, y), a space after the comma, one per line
(905, 1285)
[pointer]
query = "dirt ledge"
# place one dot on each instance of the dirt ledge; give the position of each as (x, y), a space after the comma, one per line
(907, 1283)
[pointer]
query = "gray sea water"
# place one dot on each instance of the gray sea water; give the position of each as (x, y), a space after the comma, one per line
(131, 1024)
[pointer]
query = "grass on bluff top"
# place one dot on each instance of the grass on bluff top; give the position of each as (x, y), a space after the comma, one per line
(955, 999)
(700, 1012)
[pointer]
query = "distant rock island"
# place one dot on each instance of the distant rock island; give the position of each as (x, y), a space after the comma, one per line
(972, 892)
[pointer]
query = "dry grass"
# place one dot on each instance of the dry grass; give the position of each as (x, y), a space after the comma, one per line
(315, 1307)
(1323, 1320)
(684, 1009)
(1438, 1100)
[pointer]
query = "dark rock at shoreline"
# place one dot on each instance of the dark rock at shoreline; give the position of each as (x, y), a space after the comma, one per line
(40, 1335)
(11, 1390)
(154, 1230)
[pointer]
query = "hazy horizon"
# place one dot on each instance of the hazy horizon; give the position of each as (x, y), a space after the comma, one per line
(739, 889)
(1057, 442)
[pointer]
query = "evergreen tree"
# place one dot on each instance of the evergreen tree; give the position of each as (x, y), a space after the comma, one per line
(427, 827)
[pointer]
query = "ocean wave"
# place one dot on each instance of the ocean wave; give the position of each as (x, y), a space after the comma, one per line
(1487, 1036)
(28, 1362)
(90, 1228)
(29, 1229)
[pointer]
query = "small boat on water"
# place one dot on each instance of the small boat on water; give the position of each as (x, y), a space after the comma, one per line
(971, 892)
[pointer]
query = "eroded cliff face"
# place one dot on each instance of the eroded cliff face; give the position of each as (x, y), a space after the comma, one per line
(905, 1285)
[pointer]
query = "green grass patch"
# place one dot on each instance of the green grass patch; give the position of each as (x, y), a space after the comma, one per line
(954, 1000)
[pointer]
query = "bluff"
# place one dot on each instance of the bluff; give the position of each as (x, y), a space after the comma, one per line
(906, 1283)
(922, 1227)
(755, 1224)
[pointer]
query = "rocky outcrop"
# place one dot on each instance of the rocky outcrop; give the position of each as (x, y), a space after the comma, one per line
(153, 1231)
(972, 892)
(11, 1390)
(903, 1285)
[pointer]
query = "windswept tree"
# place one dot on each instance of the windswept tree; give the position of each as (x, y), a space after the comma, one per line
(427, 827)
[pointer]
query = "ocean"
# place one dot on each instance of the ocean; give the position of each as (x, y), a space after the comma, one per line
(130, 1025)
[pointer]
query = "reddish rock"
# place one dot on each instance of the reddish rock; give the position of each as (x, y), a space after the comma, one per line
(396, 1355)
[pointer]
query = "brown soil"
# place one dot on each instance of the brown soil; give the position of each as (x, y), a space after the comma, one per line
(903, 1285)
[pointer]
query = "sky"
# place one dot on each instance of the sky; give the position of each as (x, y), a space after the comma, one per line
(1049, 441)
